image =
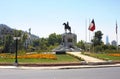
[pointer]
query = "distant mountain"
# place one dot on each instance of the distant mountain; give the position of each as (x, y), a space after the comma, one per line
(4, 29)
(4, 26)
(34, 37)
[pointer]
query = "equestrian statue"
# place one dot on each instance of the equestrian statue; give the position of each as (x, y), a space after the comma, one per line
(67, 27)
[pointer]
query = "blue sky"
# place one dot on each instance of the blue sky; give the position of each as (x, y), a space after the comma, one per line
(47, 16)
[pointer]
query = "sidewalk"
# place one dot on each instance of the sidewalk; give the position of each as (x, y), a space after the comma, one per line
(87, 59)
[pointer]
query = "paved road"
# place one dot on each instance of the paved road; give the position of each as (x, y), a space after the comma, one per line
(85, 73)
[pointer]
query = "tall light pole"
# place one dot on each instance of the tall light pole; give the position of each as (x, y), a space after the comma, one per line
(16, 59)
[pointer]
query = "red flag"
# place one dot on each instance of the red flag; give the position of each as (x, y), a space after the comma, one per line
(92, 25)
(116, 27)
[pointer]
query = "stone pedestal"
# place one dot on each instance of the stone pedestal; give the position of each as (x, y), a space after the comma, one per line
(69, 40)
(68, 44)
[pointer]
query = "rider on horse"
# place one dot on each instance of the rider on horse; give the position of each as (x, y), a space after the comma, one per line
(67, 27)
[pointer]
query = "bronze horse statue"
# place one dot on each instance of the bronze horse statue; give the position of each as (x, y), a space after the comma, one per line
(67, 27)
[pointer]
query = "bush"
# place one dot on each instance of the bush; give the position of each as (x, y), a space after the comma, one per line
(98, 49)
(112, 51)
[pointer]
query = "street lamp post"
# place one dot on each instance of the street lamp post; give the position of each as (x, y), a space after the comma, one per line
(16, 59)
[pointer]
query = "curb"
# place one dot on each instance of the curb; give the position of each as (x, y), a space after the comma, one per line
(47, 67)
(59, 67)
(61, 64)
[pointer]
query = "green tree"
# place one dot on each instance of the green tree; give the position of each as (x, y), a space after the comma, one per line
(109, 47)
(97, 43)
(81, 44)
(97, 40)
(17, 33)
(9, 44)
(43, 44)
(54, 38)
(36, 43)
(23, 39)
(47, 44)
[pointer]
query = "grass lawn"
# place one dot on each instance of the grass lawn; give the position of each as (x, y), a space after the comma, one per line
(60, 59)
(104, 56)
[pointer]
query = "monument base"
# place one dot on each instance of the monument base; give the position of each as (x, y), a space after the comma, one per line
(68, 44)
(60, 52)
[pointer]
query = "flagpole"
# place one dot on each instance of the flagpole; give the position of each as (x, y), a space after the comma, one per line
(85, 34)
(93, 44)
(117, 34)
(117, 41)
(89, 35)
(91, 28)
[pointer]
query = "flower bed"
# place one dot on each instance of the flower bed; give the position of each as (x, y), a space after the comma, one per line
(117, 55)
(42, 56)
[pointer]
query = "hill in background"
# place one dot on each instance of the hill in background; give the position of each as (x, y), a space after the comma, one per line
(4, 29)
